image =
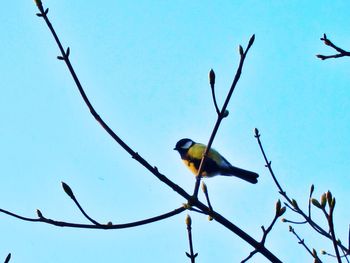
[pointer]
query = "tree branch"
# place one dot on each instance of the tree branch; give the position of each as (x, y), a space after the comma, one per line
(341, 52)
(191, 255)
(293, 205)
(223, 113)
(7, 259)
(109, 225)
(302, 242)
(192, 201)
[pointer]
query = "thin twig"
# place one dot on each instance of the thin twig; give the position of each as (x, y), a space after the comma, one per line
(205, 191)
(222, 114)
(109, 225)
(8, 258)
(191, 255)
(279, 212)
(212, 87)
(294, 206)
(341, 52)
(302, 242)
(331, 229)
(193, 201)
(70, 193)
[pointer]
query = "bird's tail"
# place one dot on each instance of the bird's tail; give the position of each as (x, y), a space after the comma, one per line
(248, 176)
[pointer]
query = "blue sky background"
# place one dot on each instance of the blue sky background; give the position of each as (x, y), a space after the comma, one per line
(144, 66)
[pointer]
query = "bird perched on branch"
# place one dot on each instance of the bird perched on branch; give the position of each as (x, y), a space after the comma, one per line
(215, 164)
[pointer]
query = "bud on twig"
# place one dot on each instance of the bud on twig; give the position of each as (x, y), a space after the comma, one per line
(256, 132)
(38, 3)
(282, 211)
(278, 207)
(329, 197)
(204, 188)
(211, 77)
(312, 188)
(332, 205)
(316, 203)
(321, 56)
(251, 40)
(226, 113)
(323, 200)
(295, 204)
(7, 259)
(38, 212)
(68, 190)
(188, 220)
(240, 48)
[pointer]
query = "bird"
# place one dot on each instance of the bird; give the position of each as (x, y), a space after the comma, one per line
(191, 153)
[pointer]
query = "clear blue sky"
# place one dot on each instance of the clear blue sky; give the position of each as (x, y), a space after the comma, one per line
(144, 67)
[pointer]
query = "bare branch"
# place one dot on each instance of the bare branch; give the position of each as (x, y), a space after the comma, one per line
(279, 212)
(109, 225)
(205, 191)
(302, 242)
(191, 255)
(192, 200)
(341, 52)
(212, 87)
(7, 259)
(292, 203)
(222, 115)
(70, 193)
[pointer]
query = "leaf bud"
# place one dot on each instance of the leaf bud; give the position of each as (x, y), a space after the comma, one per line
(316, 203)
(188, 220)
(329, 197)
(211, 77)
(240, 48)
(323, 200)
(204, 187)
(295, 204)
(68, 190)
(278, 207)
(226, 113)
(38, 212)
(282, 211)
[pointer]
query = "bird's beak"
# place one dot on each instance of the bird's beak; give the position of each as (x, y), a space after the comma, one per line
(175, 149)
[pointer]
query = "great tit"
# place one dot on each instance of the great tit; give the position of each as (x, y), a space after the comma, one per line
(191, 153)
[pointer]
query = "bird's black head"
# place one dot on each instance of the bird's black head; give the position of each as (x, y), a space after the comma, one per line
(183, 145)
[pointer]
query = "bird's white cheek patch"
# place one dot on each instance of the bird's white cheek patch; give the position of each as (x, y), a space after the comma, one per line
(186, 145)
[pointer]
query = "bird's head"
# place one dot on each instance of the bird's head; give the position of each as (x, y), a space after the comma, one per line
(183, 145)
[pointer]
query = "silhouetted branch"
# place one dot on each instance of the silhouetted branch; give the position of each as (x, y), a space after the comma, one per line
(192, 200)
(109, 225)
(279, 212)
(191, 255)
(212, 87)
(302, 242)
(323, 252)
(327, 198)
(7, 259)
(70, 193)
(292, 203)
(205, 191)
(223, 113)
(341, 52)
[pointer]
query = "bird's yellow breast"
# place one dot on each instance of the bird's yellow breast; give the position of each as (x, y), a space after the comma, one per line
(193, 167)
(195, 154)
